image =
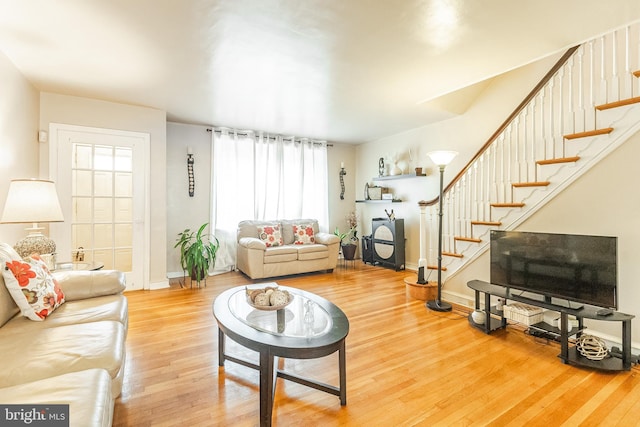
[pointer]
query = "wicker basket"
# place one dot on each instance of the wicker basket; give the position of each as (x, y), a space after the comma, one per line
(523, 313)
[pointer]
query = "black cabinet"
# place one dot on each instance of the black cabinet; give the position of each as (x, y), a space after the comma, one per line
(387, 240)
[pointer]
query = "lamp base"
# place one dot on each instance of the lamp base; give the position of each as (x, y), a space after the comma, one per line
(436, 305)
(35, 243)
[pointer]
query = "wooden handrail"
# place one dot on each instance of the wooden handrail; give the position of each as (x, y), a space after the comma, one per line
(504, 125)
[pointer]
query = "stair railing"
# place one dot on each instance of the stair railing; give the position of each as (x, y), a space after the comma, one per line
(566, 104)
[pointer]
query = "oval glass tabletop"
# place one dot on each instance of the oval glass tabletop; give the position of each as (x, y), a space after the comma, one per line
(301, 318)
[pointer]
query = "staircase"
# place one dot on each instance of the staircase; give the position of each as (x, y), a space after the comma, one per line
(585, 107)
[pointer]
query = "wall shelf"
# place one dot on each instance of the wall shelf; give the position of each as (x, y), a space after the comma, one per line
(380, 201)
(403, 176)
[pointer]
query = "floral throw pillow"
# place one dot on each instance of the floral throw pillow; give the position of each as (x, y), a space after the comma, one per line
(32, 287)
(303, 234)
(271, 235)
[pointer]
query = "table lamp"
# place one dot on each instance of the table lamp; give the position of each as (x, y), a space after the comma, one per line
(34, 201)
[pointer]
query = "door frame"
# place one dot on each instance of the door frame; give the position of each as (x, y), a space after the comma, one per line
(56, 128)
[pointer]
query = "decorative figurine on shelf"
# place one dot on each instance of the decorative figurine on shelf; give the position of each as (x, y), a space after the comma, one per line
(381, 166)
(391, 215)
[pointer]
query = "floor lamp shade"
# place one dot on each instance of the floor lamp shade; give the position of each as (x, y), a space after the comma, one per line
(32, 201)
(442, 159)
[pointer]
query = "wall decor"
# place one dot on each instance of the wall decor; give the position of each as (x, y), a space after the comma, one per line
(342, 174)
(192, 181)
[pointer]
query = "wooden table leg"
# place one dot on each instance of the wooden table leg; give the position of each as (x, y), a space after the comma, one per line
(221, 339)
(343, 373)
(266, 388)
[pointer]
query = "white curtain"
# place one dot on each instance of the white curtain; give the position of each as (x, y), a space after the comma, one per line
(261, 176)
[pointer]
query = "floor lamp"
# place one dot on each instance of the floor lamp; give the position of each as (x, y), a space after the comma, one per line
(442, 159)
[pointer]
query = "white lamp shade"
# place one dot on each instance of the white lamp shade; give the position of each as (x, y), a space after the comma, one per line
(442, 158)
(32, 200)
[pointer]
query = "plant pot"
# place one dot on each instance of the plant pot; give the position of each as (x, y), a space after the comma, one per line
(422, 292)
(194, 274)
(349, 251)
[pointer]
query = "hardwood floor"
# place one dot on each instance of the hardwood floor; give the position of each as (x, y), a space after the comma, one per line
(406, 366)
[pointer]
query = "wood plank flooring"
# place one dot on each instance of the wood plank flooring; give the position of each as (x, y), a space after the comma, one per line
(406, 366)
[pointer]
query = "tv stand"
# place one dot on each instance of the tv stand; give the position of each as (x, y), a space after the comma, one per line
(494, 320)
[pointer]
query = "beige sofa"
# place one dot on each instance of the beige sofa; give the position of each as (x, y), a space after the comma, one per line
(75, 356)
(257, 260)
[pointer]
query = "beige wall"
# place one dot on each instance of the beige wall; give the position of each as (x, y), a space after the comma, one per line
(19, 105)
(184, 211)
(79, 111)
(465, 133)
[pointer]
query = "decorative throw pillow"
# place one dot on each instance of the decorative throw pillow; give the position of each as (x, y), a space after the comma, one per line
(32, 287)
(303, 234)
(271, 235)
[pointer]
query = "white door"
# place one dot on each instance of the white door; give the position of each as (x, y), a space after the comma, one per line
(100, 177)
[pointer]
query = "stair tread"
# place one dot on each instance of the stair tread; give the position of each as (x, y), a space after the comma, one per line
(507, 205)
(636, 73)
(453, 254)
(490, 223)
(435, 267)
(620, 103)
(559, 160)
(467, 239)
(531, 184)
(588, 133)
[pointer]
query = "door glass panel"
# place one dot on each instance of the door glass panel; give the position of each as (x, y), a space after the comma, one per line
(124, 159)
(81, 183)
(104, 256)
(81, 236)
(123, 210)
(82, 157)
(124, 184)
(103, 235)
(103, 209)
(123, 235)
(103, 184)
(82, 209)
(123, 259)
(103, 158)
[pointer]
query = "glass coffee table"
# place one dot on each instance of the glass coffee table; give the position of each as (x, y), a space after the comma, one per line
(308, 328)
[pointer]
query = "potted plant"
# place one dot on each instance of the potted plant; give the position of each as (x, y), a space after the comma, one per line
(197, 252)
(349, 240)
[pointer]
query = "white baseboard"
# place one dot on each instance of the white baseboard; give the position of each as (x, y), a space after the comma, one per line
(159, 285)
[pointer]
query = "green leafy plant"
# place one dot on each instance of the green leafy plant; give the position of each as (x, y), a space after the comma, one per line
(351, 234)
(197, 251)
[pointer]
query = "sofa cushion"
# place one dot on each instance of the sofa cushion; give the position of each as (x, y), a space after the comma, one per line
(308, 252)
(303, 234)
(108, 307)
(88, 394)
(32, 287)
(280, 254)
(270, 234)
(47, 352)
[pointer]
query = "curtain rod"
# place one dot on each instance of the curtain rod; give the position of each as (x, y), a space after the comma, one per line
(270, 137)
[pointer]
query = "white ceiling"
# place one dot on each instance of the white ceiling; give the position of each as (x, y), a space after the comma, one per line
(342, 70)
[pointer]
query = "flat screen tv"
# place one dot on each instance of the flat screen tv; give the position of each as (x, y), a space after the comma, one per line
(562, 268)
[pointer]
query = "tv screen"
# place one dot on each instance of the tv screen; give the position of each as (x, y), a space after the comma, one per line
(567, 267)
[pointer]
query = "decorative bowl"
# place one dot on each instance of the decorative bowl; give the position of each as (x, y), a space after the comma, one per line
(252, 294)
